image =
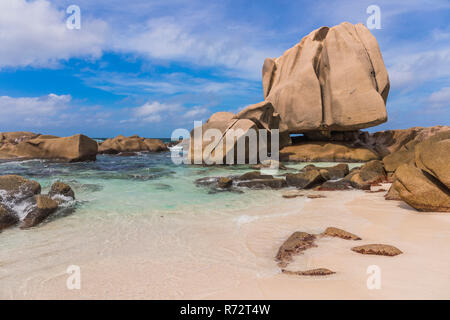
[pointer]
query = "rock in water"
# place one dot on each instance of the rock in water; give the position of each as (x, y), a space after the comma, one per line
(336, 232)
(15, 188)
(377, 249)
(44, 206)
(7, 218)
(225, 182)
(61, 189)
(70, 149)
(305, 180)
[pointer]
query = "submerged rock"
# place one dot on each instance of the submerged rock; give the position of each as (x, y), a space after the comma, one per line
(378, 249)
(273, 183)
(224, 182)
(293, 194)
(336, 232)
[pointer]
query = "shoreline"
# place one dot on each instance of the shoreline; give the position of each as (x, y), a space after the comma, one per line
(178, 257)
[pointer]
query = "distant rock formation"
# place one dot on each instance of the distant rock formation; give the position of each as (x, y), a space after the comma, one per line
(26, 145)
(122, 144)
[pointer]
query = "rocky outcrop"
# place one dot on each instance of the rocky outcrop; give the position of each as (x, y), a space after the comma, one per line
(326, 152)
(16, 137)
(307, 88)
(69, 149)
(122, 144)
(336, 232)
(424, 183)
(378, 249)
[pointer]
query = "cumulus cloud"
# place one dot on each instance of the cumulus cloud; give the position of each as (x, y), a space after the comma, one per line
(440, 99)
(34, 33)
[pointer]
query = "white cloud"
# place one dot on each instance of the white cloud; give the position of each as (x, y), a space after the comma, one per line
(440, 98)
(35, 111)
(155, 112)
(34, 33)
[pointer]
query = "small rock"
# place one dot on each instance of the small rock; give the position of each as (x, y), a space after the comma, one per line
(371, 173)
(254, 175)
(378, 249)
(336, 232)
(7, 218)
(60, 188)
(295, 244)
(292, 194)
(315, 196)
(44, 206)
(312, 272)
(225, 182)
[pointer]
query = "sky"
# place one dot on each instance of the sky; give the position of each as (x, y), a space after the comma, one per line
(148, 67)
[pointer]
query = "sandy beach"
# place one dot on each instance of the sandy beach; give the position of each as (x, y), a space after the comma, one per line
(231, 256)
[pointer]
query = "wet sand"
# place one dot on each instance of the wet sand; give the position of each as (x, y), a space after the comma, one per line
(231, 255)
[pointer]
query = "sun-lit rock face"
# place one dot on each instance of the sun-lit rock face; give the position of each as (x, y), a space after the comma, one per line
(333, 80)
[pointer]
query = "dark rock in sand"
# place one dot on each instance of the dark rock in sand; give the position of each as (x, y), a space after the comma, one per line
(315, 196)
(336, 232)
(225, 182)
(44, 206)
(295, 244)
(378, 249)
(312, 272)
(305, 180)
(292, 194)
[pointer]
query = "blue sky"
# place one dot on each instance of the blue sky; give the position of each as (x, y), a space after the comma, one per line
(148, 67)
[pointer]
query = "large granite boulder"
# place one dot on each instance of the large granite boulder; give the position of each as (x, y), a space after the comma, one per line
(370, 173)
(69, 149)
(424, 183)
(14, 189)
(333, 80)
(122, 144)
(16, 137)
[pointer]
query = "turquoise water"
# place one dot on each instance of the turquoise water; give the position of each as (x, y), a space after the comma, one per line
(143, 184)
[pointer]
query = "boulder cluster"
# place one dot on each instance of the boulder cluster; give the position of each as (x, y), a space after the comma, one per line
(21, 201)
(333, 82)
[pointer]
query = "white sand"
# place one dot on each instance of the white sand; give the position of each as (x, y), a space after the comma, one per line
(231, 256)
